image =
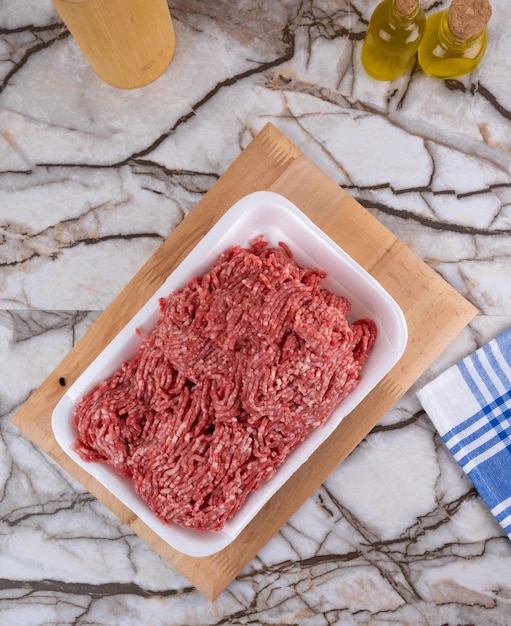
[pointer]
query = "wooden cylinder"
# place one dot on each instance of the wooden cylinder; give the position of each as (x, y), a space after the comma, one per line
(129, 43)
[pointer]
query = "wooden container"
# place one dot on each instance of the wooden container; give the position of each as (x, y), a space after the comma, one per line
(129, 43)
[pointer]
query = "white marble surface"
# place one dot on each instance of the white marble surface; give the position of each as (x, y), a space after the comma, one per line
(93, 179)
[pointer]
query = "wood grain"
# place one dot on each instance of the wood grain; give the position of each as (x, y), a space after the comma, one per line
(127, 42)
(434, 311)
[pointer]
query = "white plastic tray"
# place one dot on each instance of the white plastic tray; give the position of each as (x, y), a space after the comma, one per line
(277, 219)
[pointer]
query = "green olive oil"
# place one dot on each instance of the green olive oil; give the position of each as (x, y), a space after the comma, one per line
(448, 52)
(391, 42)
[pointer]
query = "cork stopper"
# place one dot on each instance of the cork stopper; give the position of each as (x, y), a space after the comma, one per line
(405, 7)
(467, 18)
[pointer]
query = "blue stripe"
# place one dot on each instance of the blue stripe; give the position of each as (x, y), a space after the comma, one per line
(496, 366)
(494, 423)
(498, 406)
(493, 481)
(503, 514)
(472, 385)
(504, 342)
(500, 437)
(483, 373)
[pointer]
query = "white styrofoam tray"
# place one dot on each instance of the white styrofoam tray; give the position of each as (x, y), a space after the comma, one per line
(276, 218)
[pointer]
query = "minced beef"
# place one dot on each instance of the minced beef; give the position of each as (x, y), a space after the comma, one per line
(243, 363)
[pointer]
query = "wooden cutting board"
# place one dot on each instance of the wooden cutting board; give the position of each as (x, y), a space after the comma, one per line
(434, 311)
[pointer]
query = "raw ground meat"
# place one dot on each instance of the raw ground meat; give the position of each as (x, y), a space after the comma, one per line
(244, 362)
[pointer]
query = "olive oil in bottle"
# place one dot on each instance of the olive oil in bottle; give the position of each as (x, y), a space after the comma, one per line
(455, 40)
(395, 30)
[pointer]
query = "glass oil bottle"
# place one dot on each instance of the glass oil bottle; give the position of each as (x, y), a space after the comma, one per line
(395, 30)
(455, 40)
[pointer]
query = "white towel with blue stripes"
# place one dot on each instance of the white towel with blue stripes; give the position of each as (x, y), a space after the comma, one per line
(470, 406)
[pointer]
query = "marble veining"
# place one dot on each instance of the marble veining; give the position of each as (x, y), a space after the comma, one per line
(92, 181)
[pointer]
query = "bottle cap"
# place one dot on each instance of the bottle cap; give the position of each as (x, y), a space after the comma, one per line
(405, 7)
(467, 18)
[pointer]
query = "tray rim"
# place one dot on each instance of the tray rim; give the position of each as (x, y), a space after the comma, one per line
(243, 211)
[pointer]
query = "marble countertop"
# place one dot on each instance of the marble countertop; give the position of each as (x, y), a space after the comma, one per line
(92, 181)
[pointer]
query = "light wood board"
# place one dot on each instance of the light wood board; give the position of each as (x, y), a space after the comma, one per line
(434, 311)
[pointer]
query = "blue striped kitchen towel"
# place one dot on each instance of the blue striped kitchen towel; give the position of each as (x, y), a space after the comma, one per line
(470, 406)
